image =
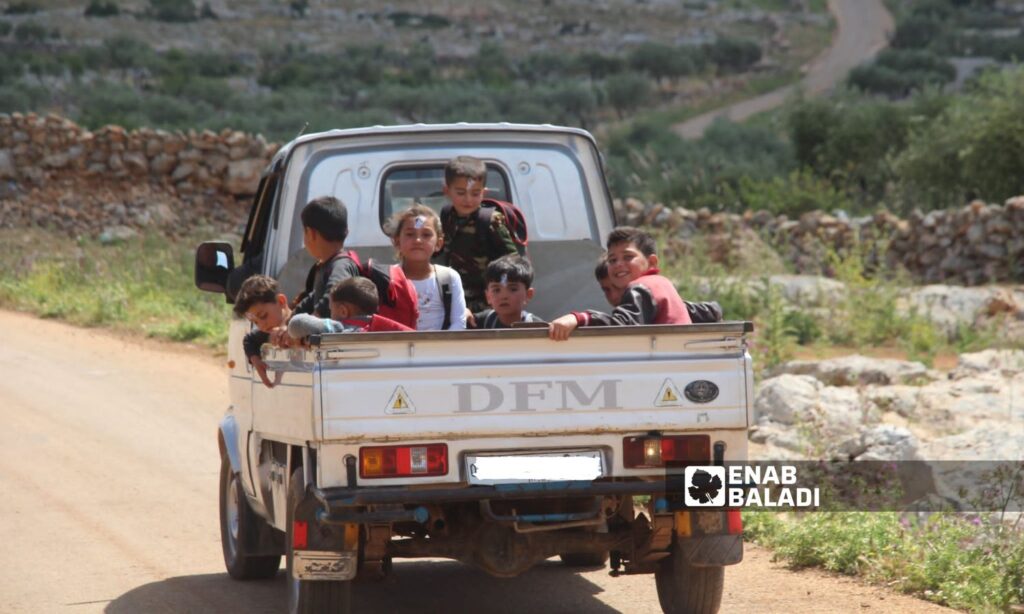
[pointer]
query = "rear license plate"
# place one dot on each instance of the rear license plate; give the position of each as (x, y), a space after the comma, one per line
(578, 465)
(317, 565)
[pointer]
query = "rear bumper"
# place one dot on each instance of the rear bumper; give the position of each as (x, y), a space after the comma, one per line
(408, 504)
(344, 504)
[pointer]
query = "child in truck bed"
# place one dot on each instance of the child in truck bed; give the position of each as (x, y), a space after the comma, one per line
(649, 298)
(324, 230)
(468, 247)
(509, 289)
(354, 304)
(700, 313)
(261, 302)
(417, 235)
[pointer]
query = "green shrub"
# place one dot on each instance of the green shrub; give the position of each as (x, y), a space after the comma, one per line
(626, 92)
(175, 11)
(102, 8)
(792, 195)
(966, 561)
(22, 97)
(803, 327)
(21, 7)
(125, 51)
(773, 341)
(898, 72)
(838, 139)
(733, 55)
(918, 32)
(973, 149)
(30, 32)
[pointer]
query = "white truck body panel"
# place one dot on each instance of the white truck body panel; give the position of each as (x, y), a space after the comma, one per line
(503, 386)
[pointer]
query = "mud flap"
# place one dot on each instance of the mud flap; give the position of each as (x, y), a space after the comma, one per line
(712, 550)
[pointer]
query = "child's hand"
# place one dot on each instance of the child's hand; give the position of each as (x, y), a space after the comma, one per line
(279, 337)
(261, 369)
(470, 319)
(562, 327)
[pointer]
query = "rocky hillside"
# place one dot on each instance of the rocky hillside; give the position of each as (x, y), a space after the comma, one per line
(859, 408)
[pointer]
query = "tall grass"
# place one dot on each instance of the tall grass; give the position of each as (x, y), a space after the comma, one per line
(973, 562)
(866, 315)
(143, 285)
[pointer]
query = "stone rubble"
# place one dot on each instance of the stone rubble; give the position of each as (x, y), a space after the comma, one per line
(56, 174)
(845, 408)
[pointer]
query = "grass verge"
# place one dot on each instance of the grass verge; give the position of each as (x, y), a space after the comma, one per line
(142, 285)
(972, 562)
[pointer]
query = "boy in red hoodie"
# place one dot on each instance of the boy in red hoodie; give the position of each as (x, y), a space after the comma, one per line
(649, 298)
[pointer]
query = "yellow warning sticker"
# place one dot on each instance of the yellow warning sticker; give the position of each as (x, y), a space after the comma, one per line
(668, 396)
(400, 403)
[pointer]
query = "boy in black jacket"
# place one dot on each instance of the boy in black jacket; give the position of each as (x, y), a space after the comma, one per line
(324, 229)
(700, 313)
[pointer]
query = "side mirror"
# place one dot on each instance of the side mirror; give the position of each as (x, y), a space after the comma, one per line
(214, 262)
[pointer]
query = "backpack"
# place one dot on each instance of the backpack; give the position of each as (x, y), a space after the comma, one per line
(398, 300)
(513, 217)
(443, 277)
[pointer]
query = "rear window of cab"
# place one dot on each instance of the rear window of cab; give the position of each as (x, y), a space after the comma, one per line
(404, 186)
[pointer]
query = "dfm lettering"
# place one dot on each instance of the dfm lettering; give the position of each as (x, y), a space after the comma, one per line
(478, 397)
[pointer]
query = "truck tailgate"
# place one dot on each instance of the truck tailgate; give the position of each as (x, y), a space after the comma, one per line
(408, 386)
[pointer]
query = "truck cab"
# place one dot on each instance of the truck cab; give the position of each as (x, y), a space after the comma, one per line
(499, 448)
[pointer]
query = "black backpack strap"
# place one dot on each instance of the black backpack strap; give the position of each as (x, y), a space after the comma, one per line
(315, 270)
(448, 222)
(443, 278)
(491, 320)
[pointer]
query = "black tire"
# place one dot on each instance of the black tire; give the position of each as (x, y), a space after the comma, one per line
(239, 528)
(686, 589)
(307, 596)
(584, 559)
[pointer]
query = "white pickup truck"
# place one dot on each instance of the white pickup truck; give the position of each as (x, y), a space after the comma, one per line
(499, 448)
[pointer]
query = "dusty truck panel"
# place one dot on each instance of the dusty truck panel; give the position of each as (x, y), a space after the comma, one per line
(497, 448)
(491, 392)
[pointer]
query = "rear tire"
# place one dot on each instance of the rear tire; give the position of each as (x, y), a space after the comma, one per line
(584, 559)
(311, 596)
(687, 589)
(239, 529)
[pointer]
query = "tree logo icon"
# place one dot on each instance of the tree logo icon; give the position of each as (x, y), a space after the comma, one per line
(705, 486)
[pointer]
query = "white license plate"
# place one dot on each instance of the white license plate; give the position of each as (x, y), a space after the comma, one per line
(547, 467)
(318, 565)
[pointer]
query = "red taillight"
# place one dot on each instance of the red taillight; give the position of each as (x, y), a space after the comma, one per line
(300, 535)
(673, 450)
(403, 461)
(735, 522)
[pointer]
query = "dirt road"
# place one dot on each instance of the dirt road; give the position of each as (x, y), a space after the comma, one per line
(862, 28)
(108, 469)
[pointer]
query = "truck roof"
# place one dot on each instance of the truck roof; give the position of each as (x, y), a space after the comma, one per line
(428, 128)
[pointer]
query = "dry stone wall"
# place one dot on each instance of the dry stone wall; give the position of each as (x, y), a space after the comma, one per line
(112, 182)
(55, 173)
(973, 245)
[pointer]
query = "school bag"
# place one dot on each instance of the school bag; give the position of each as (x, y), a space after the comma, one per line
(398, 300)
(443, 278)
(512, 215)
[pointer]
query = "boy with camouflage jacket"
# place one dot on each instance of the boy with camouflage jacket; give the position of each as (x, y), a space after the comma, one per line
(468, 248)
